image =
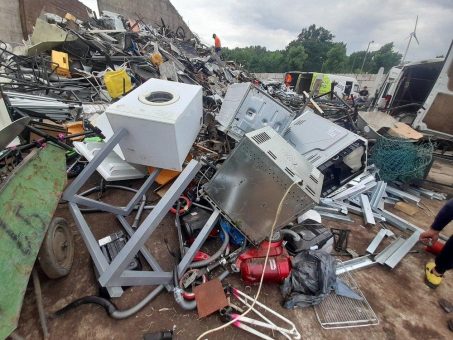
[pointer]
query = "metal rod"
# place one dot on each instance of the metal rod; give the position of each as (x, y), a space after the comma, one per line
(38, 295)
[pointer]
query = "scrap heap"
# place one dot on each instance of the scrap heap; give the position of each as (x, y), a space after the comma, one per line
(242, 160)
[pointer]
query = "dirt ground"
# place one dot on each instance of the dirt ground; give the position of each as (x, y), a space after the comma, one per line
(405, 306)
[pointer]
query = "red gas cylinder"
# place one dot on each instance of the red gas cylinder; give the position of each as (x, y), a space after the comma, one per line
(251, 263)
(436, 248)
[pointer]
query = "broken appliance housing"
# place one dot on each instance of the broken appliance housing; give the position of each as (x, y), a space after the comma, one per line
(162, 118)
(247, 108)
(339, 154)
(252, 181)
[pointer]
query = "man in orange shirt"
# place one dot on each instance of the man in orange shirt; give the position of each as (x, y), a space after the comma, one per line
(217, 45)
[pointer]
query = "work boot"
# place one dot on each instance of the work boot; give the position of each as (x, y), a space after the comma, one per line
(431, 279)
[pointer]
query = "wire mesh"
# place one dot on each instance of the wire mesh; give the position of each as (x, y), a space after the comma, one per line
(401, 159)
(341, 312)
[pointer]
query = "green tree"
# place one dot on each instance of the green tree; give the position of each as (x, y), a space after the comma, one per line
(336, 59)
(313, 50)
(384, 57)
(295, 57)
(317, 41)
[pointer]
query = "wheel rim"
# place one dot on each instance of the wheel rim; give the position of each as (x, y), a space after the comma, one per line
(60, 245)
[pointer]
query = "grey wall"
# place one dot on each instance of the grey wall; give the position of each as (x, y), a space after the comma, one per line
(10, 27)
(149, 10)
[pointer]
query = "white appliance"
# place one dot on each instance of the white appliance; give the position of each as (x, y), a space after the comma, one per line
(112, 168)
(246, 108)
(102, 122)
(162, 118)
(338, 153)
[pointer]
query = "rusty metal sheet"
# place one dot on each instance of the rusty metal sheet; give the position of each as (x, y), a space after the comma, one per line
(28, 200)
(210, 297)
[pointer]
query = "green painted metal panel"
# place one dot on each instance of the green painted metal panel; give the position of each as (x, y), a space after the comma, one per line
(27, 203)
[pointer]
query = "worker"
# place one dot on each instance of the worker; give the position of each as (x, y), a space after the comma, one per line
(364, 92)
(217, 44)
(434, 271)
(288, 80)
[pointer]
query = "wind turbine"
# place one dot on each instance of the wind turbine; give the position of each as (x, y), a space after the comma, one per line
(411, 35)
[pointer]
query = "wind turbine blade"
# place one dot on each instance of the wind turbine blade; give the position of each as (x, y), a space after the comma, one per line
(416, 38)
(416, 21)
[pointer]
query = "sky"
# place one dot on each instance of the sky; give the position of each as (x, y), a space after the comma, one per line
(274, 23)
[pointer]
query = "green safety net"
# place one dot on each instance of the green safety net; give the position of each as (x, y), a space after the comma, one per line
(401, 159)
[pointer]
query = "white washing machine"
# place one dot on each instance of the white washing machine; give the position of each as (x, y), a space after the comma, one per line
(162, 118)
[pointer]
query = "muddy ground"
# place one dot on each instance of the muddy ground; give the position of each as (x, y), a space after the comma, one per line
(405, 306)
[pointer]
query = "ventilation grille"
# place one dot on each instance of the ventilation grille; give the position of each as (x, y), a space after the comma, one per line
(270, 153)
(299, 122)
(289, 172)
(261, 137)
(310, 190)
(313, 179)
(313, 158)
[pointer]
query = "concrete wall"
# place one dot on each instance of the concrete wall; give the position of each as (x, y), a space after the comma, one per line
(10, 28)
(151, 11)
(363, 79)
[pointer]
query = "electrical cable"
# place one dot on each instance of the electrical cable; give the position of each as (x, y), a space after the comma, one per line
(277, 215)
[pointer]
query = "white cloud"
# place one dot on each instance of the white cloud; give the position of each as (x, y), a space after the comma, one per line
(274, 24)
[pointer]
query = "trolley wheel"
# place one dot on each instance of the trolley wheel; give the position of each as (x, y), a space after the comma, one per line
(57, 250)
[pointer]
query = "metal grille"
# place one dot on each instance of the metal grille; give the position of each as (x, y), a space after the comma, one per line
(342, 312)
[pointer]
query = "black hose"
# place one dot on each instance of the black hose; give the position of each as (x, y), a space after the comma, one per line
(109, 307)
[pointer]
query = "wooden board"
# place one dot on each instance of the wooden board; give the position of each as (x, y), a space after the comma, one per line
(403, 130)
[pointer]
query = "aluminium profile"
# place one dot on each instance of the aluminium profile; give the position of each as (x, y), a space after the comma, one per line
(335, 217)
(354, 191)
(376, 241)
(389, 250)
(379, 191)
(334, 210)
(397, 221)
(358, 211)
(402, 251)
(366, 208)
(357, 263)
(402, 224)
(402, 194)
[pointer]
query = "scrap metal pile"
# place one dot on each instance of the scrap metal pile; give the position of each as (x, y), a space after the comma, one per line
(73, 63)
(244, 162)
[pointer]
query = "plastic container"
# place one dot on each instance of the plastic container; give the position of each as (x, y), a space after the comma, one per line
(60, 62)
(117, 82)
